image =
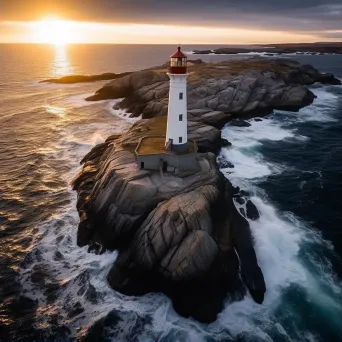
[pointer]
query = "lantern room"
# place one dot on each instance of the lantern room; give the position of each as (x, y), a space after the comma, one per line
(178, 62)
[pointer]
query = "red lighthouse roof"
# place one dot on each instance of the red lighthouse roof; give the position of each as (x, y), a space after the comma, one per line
(178, 53)
(178, 62)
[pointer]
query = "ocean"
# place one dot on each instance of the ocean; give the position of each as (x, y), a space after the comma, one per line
(52, 290)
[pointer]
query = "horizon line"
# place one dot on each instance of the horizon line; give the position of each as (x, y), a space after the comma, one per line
(93, 43)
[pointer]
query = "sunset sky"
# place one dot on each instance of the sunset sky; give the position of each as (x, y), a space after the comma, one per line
(170, 22)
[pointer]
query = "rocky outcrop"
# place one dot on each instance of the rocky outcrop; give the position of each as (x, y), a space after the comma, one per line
(85, 78)
(175, 232)
(240, 88)
(240, 123)
(224, 163)
(225, 143)
(252, 211)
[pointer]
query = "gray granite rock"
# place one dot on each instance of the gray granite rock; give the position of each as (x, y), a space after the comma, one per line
(240, 123)
(173, 230)
(235, 87)
(252, 211)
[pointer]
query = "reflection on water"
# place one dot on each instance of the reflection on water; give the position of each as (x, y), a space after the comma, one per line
(61, 65)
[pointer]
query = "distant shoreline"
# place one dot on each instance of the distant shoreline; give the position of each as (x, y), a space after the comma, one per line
(277, 49)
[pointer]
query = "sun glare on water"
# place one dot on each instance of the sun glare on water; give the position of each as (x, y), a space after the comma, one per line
(55, 31)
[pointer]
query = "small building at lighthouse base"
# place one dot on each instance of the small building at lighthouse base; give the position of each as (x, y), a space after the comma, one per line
(152, 154)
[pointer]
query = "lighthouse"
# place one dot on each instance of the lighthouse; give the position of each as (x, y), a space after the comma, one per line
(177, 125)
(171, 151)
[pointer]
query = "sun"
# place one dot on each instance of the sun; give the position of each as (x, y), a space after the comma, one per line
(55, 31)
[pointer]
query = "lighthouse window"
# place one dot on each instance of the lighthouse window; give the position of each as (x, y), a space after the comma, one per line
(181, 96)
(174, 62)
(178, 62)
(180, 140)
(180, 117)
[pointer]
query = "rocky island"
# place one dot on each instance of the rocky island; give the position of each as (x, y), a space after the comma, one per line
(179, 232)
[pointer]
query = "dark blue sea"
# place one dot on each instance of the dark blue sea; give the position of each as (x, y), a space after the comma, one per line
(52, 290)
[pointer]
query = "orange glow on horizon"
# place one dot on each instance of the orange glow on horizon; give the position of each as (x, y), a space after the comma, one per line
(60, 32)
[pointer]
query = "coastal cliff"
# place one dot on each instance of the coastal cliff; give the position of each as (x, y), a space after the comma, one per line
(179, 232)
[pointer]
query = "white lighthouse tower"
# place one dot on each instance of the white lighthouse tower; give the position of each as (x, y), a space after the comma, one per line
(177, 125)
(174, 152)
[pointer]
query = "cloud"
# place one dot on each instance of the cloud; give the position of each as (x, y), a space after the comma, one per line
(287, 15)
(329, 35)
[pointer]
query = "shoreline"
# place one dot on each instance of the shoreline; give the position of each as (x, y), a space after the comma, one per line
(277, 49)
(263, 54)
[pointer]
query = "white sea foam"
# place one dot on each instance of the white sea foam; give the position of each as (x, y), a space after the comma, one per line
(67, 272)
(267, 129)
(276, 239)
(318, 111)
(277, 245)
(80, 100)
(248, 163)
(251, 165)
(121, 113)
(261, 54)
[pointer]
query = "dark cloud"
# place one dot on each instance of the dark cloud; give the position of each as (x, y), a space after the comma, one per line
(289, 15)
